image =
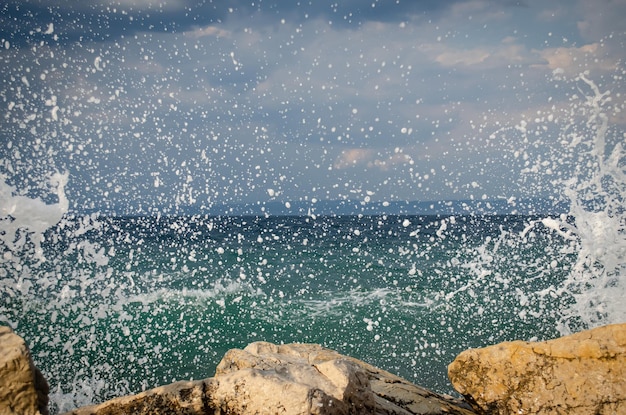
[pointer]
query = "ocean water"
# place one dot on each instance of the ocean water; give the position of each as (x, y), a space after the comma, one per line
(129, 303)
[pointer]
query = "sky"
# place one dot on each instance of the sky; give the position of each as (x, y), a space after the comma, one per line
(156, 106)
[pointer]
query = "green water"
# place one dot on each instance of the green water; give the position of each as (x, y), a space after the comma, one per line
(125, 304)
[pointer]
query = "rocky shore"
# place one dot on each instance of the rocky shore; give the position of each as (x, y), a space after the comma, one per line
(584, 373)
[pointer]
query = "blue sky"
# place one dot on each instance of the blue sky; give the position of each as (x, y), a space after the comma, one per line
(154, 105)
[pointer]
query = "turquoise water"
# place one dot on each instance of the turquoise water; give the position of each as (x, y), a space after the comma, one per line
(124, 304)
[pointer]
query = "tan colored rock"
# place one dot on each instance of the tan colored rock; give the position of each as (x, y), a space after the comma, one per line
(23, 389)
(268, 376)
(584, 373)
(316, 380)
(180, 398)
(294, 379)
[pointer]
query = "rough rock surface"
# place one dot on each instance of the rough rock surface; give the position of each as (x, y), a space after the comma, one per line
(180, 398)
(310, 379)
(23, 389)
(584, 373)
(294, 379)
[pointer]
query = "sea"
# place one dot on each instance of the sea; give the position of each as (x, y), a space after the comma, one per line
(124, 304)
(114, 304)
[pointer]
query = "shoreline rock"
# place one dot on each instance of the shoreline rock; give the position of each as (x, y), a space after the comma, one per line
(265, 378)
(579, 374)
(184, 398)
(23, 389)
(347, 385)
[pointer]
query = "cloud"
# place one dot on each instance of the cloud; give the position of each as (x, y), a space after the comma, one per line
(574, 60)
(495, 53)
(482, 11)
(25, 22)
(462, 57)
(352, 157)
(212, 31)
(394, 160)
(371, 159)
(93, 20)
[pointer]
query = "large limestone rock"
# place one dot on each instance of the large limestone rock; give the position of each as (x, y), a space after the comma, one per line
(23, 389)
(289, 379)
(584, 373)
(310, 379)
(292, 377)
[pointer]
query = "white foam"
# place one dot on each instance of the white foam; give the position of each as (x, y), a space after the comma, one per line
(22, 215)
(218, 292)
(597, 278)
(335, 303)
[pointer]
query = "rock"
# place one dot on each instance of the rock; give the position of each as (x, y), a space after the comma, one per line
(180, 398)
(23, 389)
(301, 379)
(310, 379)
(584, 373)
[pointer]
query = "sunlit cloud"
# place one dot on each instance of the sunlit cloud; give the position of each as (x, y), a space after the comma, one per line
(352, 157)
(574, 60)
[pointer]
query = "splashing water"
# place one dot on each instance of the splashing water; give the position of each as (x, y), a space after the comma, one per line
(597, 195)
(26, 219)
(588, 164)
(116, 305)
